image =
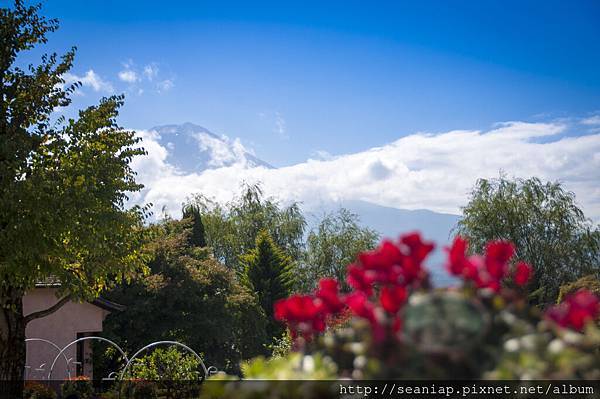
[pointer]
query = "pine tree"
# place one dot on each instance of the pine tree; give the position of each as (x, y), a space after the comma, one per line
(198, 237)
(267, 270)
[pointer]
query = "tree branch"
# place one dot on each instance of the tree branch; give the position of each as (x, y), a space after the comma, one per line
(49, 311)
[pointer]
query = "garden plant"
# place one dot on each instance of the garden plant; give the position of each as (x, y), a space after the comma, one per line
(400, 327)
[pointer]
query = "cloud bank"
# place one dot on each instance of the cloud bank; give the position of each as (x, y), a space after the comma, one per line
(418, 171)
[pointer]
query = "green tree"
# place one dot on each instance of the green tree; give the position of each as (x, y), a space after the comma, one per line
(332, 245)
(545, 224)
(187, 297)
(63, 187)
(231, 229)
(197, 237)
(268, 271)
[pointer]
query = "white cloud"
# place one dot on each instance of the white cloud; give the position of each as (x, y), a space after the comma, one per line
(418, 171)
(223, 151)
(90, 79)
(591, 121)
(165, 85)
(129, 76)
(322, 155)
(150, 71)
(280, 127)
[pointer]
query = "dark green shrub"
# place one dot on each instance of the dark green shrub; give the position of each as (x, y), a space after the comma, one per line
(78, 387)
(38, 390)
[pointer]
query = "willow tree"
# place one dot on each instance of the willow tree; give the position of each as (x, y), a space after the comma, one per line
(544, 222)
(63, 187)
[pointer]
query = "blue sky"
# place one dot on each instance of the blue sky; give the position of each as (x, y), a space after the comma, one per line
(293, 78)
(400, 104)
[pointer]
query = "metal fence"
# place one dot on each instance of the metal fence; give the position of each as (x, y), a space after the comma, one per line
(33, 370)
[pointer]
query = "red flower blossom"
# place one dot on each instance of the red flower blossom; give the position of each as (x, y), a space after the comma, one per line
(361, 306)
(523, 273)
(497, 255)
(391, 270)
(576, 310)
(418, 249)
(486, 272)
(380, 259)
(457, 256)
(328, 293)
(396, 324)
(360, 279)
(392, 298)
(301, 312)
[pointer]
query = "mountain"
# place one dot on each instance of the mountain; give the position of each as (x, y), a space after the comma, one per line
(391, 222)
(193, 148)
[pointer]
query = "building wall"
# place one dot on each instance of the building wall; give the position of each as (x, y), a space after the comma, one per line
(61, 328)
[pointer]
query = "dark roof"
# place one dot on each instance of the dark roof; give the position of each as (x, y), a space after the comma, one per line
(108, 305)
(52, 282)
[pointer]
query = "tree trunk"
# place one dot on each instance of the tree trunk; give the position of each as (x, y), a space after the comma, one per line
(12, 342)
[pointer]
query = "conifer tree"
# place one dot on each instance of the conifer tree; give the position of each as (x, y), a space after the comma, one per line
(197, 237)
(267, 270)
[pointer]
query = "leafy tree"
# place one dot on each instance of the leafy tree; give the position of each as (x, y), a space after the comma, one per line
(543, 221)
(63, 187)
(268, 271)
(232, 229)
(333, 245)
(193, 212)
(188, 297)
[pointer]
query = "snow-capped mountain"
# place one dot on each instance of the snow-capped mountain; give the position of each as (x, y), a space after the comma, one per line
(193, 148)
(187, 159)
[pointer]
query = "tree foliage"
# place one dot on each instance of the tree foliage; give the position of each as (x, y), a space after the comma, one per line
(232, 229)
(197, 237)
(191, 298)
(267, 270)
(63, 184)
(543, 221)
(333, 245)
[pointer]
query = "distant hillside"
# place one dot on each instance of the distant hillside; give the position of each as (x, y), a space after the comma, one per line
(391, 222)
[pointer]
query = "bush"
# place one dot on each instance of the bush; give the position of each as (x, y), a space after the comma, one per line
(402, 328)
(37, 390)
(590, 283)
(165, 371)
(77, 387)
